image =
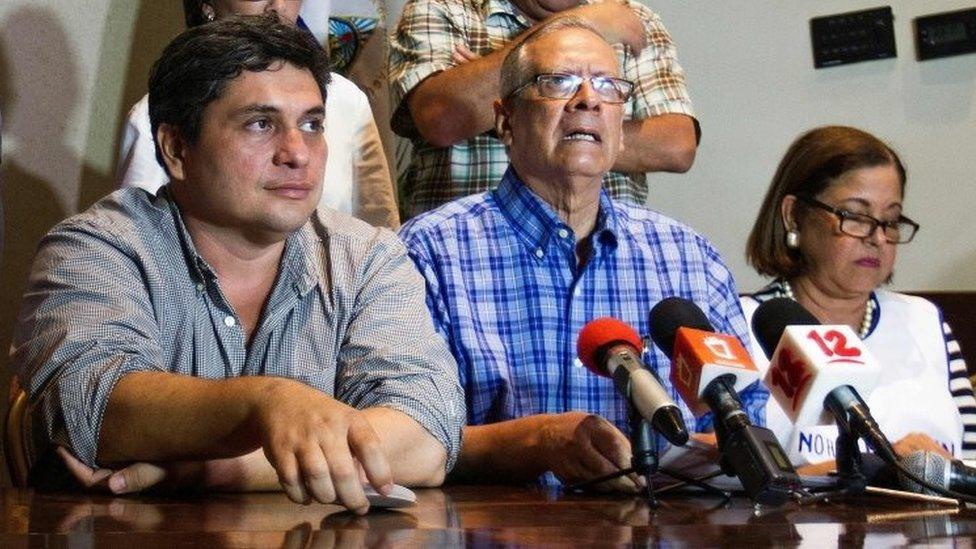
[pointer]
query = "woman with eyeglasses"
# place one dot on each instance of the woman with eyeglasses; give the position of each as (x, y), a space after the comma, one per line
(827, 233)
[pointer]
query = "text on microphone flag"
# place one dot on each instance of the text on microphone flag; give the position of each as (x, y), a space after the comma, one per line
(834, 343)
(714, 348)
(720, 347)
(684, 372)
(810, 361)
(791, 376)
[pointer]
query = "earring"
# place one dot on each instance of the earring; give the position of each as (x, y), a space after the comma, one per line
(210, 17)
(792, 239)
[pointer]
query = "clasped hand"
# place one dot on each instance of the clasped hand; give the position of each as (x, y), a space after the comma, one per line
(615, 21)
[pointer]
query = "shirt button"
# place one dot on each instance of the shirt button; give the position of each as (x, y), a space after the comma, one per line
(200, 286)
(229, 321)
(563, 233)
(539, 253)
(577, 363)
(577, 291)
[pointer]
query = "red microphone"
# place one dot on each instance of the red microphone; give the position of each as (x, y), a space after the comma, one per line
(611, 348)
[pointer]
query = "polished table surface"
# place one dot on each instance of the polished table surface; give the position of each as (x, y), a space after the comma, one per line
(471, 515)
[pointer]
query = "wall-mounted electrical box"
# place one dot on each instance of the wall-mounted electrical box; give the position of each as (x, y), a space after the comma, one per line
(945, 34)
(852, 37)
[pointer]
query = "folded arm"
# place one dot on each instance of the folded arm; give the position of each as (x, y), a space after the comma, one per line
(312, 441)
(663, 143)
(404, 445)
(455, 103)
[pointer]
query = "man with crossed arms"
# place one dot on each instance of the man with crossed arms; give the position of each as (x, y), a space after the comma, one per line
(445, 58)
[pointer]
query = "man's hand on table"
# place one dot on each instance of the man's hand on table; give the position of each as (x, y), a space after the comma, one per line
(582, 447)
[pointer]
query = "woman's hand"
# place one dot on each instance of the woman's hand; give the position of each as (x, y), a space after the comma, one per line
(914, 442)
(820, 469)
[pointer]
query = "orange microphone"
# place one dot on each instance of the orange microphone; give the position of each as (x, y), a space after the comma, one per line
(708, 370)
(700, 357)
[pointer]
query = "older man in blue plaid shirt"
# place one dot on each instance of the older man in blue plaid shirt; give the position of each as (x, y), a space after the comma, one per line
(513, 274)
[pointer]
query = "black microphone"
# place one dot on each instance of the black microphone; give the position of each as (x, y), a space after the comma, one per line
(815, 367)
(682, 331)
(944, 473)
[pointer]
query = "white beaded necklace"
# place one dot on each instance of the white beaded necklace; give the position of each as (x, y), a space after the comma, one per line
(787, 291)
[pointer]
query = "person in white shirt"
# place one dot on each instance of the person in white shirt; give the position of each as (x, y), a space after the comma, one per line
(828, 232)
(357, 174)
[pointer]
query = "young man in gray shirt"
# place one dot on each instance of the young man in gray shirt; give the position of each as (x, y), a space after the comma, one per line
(215, 324)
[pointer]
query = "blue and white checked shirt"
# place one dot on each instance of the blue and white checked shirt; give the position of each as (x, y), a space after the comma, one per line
(504, 289)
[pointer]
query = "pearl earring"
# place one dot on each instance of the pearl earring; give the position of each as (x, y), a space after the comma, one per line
(210, 17)
(792, 239)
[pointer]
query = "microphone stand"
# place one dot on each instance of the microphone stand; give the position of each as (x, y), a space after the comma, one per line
(851, 480)
(644, 458)
(850, 467)
(644, 462)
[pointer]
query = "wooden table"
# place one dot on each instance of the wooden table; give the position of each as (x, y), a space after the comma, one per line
(466, 515)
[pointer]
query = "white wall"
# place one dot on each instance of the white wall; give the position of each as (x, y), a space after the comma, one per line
(750, 69)
(69, 71)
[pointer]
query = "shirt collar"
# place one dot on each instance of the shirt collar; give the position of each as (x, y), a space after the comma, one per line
(198, 266)
(506, 8)
(298, 265)
(536, 223)
(302, 259)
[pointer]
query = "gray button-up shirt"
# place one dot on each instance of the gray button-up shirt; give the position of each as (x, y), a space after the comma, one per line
(120, 288)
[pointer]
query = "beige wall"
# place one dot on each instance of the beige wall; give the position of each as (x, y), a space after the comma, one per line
(751, 74)
(69, 71)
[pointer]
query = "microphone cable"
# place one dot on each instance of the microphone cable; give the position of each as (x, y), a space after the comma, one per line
(683, 480)
(810, 498)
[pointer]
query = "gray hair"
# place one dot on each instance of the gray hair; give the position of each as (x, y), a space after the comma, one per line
(514, 66)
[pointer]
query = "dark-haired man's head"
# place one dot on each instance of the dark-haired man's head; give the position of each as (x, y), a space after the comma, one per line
(237, 108)
(196, 66)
